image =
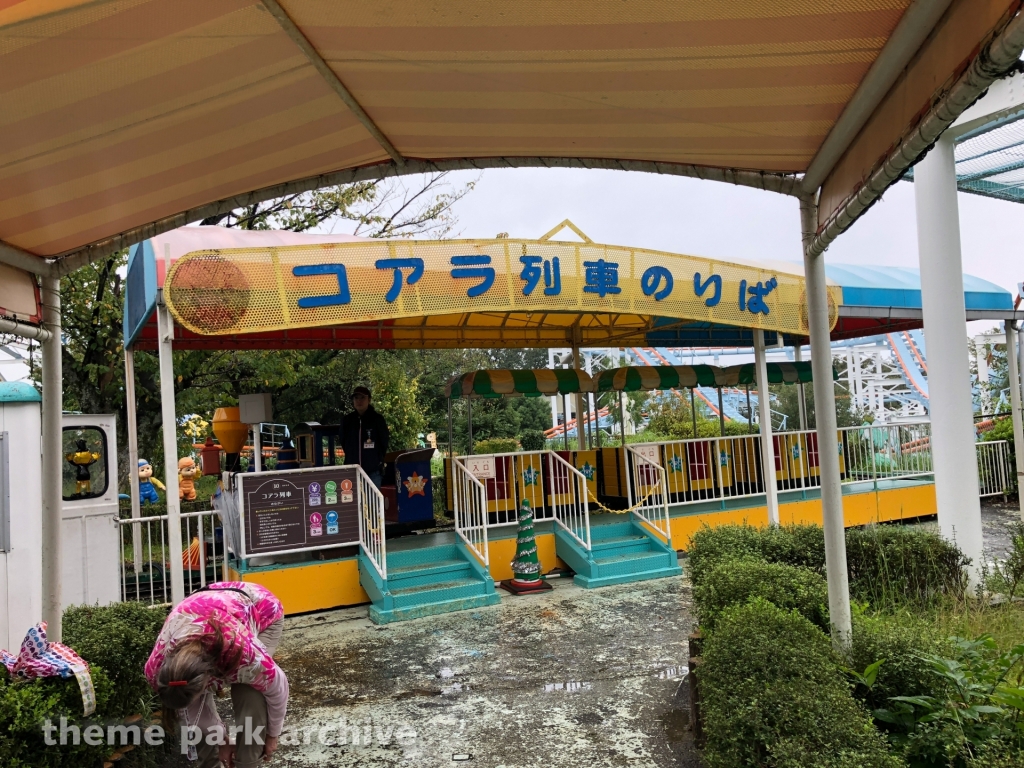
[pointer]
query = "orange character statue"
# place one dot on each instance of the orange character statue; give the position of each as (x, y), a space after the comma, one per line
(188, 473)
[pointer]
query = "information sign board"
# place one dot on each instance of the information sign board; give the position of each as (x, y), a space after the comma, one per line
(299, 509)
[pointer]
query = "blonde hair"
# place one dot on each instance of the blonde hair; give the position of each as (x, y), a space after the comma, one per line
(191, 666)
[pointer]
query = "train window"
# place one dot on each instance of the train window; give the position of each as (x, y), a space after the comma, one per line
(85, 463)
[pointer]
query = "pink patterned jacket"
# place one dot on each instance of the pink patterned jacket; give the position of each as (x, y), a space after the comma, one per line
(242, 619)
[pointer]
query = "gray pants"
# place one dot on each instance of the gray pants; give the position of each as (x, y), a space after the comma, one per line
(246, 701)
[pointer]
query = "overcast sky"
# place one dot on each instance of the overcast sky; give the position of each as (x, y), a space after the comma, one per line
(721, 220)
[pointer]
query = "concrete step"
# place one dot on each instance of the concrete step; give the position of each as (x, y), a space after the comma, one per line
(631, 562)
(618, 545)
(428, 573)
(588, 582)
(611, 530)
(380, 615)
(438, 591)
(402, 558)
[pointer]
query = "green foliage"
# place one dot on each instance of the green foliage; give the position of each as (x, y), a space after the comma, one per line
(899, 642)
(1010, 572)
(773, 695)
(116, 641)
(981, 703)
(1002, 430)
(888, 565)
(532, 440)
(672, 419)
(119, 638)
(800, 545)
(736, 581)
(892, 565)
(394, 397)
(496, 445)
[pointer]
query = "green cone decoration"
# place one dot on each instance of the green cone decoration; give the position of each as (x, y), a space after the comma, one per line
(526, 565)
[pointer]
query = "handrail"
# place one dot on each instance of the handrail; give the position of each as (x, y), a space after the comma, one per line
(638, 461)
(470, 517)
(372, 538)
(581, 498)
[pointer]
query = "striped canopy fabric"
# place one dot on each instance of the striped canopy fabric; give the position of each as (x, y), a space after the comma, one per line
(778, 373)
(642, 378)
(519, 383)
(125, 118)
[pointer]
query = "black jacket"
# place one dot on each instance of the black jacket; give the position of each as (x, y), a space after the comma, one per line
(365, 439)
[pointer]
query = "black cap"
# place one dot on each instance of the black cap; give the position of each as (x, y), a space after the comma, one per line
(361, 391)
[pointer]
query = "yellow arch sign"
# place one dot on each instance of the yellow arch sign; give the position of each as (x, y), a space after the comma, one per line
(259, 290)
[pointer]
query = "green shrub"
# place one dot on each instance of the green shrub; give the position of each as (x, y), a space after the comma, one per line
(801, 545)
(901, 642)
(496, 445)
(736, 581)
(532, 440)
(116, 641)
(892, 565)
(26, 704)
(888, 565)
(119, 638)
(773, 695)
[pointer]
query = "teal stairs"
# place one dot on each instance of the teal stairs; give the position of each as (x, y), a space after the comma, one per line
(620, 552)
(425, 581)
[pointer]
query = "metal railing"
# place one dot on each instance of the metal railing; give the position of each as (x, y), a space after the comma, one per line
(569, 498)
(371, 524)
(648, 489)
(144, 546)
(996, 472)
(470, 497)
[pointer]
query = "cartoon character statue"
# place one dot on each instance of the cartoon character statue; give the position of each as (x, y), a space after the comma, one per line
(147, 493)
(81, 460)
(188, 473)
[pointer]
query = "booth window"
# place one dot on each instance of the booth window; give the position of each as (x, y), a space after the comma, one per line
(85, 463)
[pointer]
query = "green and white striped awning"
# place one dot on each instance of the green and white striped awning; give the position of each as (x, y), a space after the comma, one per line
(514, 383)
(778, 373)
(643, 378)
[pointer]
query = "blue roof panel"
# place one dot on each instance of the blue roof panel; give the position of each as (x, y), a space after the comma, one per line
(874, 286)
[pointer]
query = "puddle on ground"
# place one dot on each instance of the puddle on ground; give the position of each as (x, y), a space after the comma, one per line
(677, 725)
(674, 673)
(446, 673)
(571, 686)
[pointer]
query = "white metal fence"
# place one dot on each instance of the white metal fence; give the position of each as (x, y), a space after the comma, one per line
(470, 498)
(144, 549)
(568, 497)
(996, 471)
(371, 524)
(648, 489)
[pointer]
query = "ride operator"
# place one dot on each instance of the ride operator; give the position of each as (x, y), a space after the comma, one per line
(364, 436)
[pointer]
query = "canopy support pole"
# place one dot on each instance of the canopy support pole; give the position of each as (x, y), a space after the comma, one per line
(771, 491)
(954, 456)
(580, 409)
(798, 355)
(622, 416)
(1012, 370)
(565, 421)
(133, 454)
(597, 419)
(827, 431)
(469, 424)
(693, 411)
(750, 413)
(53, 461)
(165, 334)
(451, 445)
(721, 414)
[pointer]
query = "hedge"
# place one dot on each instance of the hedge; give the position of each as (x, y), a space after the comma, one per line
(901, 642)
(772, 695)
(736, 581)
(888, 565)
(116, 641)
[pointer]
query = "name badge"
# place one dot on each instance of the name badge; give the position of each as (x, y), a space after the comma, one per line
(368, 444)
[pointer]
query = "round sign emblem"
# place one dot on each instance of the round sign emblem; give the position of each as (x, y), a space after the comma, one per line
(330, 486)
(314, 488)
(315, 518)
(332, 517)
(346, 485)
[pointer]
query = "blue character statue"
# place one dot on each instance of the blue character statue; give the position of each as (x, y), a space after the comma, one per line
(147, 493)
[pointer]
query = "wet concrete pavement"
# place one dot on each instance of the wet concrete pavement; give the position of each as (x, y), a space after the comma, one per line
(566, 678)
(996, 517)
